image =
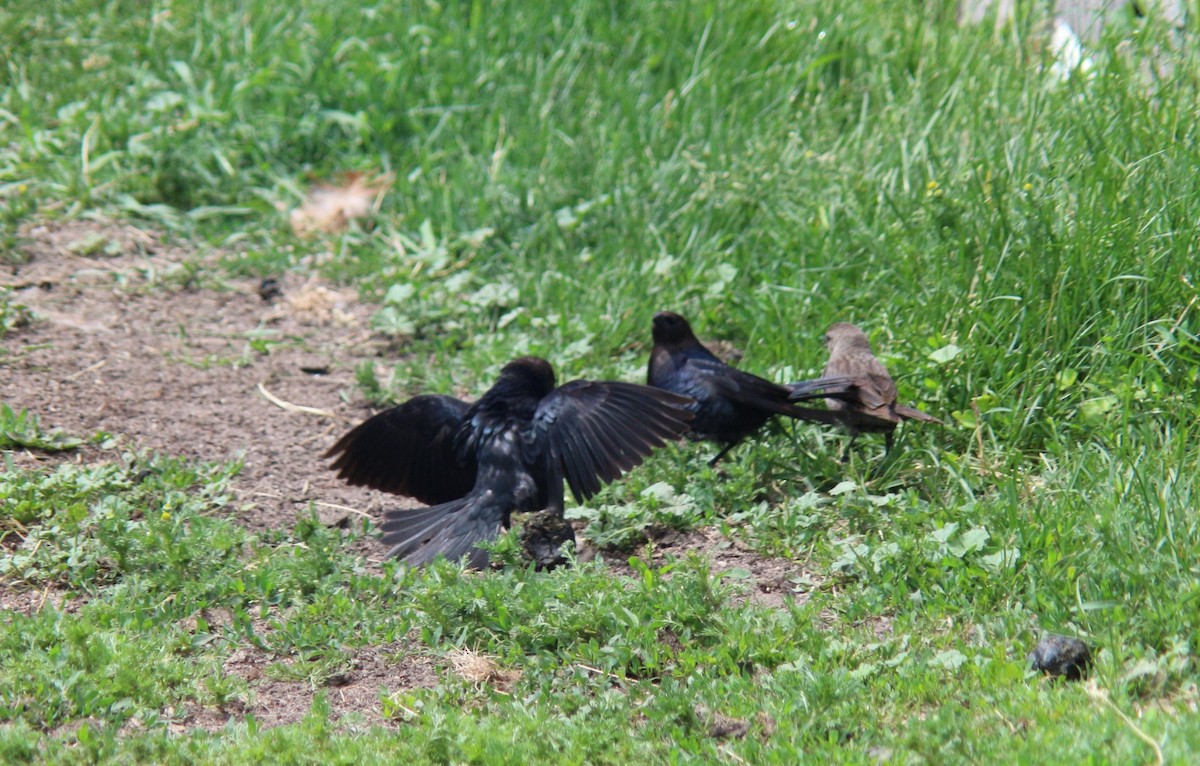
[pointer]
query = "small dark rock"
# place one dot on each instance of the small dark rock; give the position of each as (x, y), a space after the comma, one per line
(269, 289)
(1061, 656)
(542, 538)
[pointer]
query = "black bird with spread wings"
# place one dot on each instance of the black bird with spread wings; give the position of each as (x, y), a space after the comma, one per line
(510, 451)
(730, 404)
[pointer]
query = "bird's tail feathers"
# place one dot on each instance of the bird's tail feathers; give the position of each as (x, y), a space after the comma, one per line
(450, 529)
(841, 387)
(912, 413)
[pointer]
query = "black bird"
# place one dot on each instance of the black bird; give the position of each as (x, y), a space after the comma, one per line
(859, 390)
(729, 404)
(509, 451)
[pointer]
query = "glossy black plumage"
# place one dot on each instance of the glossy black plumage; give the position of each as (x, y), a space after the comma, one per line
(509, 451)
(409, 450)
(730, 404)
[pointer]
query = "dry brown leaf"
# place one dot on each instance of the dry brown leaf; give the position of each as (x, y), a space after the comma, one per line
(330, 207)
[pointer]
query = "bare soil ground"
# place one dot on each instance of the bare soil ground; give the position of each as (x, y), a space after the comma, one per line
(152, 342)
(124, 344)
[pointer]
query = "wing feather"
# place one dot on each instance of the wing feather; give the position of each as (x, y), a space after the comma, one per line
(597, 431)
(409, 450)
(878, 390)
(837, 386)
(745, 388)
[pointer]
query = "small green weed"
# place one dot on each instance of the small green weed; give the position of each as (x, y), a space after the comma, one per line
(13, 315)
(23, 430)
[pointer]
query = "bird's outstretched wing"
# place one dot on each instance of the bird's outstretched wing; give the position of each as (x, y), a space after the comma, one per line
(592, 432)
(409, 450)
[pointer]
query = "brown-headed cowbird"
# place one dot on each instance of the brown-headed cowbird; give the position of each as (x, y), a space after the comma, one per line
(509, 451)
(729, 404)
(858, 388)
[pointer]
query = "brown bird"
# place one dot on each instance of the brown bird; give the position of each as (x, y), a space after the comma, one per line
(858, 388)
(730, 404)
(509, 451)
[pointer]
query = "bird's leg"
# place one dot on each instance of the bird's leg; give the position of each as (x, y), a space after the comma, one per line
(849, 444)
(557, 504)
(713, 463)
(888, 439)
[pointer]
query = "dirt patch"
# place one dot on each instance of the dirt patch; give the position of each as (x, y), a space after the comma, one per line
(358, 690)
(354, 696)
(28, 601)
(177, 368)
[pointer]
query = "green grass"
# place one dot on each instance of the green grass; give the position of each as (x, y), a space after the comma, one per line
(13, 315)
(22, 429)
(1021, 253)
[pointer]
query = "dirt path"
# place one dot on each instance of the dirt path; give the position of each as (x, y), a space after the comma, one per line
(123, 346)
